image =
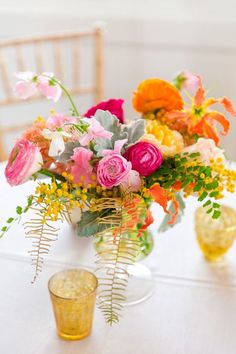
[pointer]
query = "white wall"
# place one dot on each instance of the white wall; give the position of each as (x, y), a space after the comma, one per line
(144, 39)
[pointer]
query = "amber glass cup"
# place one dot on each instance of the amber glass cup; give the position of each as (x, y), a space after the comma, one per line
(73, 295)
(215, 236)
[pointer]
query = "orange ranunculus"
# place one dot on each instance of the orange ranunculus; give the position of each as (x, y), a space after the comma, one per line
(199, 119)
(153, 94)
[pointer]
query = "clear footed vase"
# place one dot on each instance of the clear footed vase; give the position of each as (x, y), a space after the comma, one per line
(140, 284)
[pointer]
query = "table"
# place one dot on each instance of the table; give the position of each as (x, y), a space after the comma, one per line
(193, 308)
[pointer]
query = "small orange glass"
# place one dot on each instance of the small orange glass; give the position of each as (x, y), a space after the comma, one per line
(73, 295)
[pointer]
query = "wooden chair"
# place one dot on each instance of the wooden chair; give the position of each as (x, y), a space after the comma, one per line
(54, 43)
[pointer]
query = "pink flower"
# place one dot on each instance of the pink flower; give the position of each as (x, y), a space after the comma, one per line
(25, 159)
(95, 130)
(188, 81)
(26, 86)
(114, 106)
(146, 158)
(112, 170)
(117, 148)
(48, 87)
(30, 83)
(207, 149)
(57, 120)
(132, 182)
(82, 171)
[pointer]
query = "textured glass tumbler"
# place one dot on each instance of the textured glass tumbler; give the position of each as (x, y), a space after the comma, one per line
(73, 295)
(215, 236)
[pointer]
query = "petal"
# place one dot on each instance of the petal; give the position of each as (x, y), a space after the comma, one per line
(220, 118)
(228, 105)
(174, 215)
(199, 95)
(57, 146)
(159, 195)
(210, 132)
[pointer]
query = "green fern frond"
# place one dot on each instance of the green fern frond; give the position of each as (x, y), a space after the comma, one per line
(42, 234)
(117, 253)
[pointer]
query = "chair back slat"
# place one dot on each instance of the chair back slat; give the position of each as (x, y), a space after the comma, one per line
(37, 51)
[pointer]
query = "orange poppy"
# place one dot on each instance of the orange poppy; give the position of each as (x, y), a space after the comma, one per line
(154, 94)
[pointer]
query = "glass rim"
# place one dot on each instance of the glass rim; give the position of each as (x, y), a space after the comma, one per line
(78, 297)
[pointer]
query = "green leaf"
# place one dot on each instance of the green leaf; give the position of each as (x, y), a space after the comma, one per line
(10, 220)
(4, 228)
(216, 214)
(207, 203)
(214, 194)
(212, 185)
(19, 210)
(194, 154)
(216, 205)
(89, 225)
(202, 196)
(198, 186)
(209, 211)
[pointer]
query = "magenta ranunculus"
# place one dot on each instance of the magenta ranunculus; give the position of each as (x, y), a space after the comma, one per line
(25, 159)
(112, 170)
(145, 157)
(113, 105)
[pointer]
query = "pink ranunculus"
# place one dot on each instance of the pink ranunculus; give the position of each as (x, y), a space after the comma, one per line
(25, 160)
(26, 86)
(94, 131)
(207, 149)
(132, 181)
(48, 87)
(112, 170)
(57, 120)
(145, 157)
(114, 106)
(82, 171)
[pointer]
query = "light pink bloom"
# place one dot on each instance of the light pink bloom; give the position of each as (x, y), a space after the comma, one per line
(57, 121)
(26, 86)
(48, 87)
(132, 181)
(113, 170)
(117, 148)
(95, 130)
(25, 160)
(82, 171)
(207, 149)
(190, 81)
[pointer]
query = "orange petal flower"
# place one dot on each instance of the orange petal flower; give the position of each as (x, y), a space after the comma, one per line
(159, 195)
(153, 94)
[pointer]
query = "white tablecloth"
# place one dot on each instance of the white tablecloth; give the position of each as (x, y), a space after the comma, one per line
(193, 308)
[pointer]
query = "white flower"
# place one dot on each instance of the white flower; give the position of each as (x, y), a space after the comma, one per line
(57, 145)
(207, 149)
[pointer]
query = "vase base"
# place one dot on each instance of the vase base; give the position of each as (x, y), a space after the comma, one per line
(140, 286)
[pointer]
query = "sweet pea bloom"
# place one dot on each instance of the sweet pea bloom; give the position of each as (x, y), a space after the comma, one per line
(207, 149)
(94, 131)
(82, 170)
(57, 120)
(26, 86)
(112, 170)
(132, 182)
(30, 83)
(114, 106)
(145, 157)
(186, 80)
(57, 145)
(25, 159)
(48, 87)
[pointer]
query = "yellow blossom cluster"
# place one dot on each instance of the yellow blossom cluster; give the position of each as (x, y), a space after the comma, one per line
(227, 177)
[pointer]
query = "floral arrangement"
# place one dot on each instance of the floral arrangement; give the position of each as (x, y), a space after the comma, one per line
(110, 172)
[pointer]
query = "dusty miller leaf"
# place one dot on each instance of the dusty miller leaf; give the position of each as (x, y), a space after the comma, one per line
(135, 130)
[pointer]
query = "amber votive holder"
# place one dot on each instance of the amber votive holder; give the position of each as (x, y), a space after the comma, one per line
(215, 236)
(73, 296)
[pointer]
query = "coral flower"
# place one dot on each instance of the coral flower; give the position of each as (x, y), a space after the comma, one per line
(199, 119)
(155, 94)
